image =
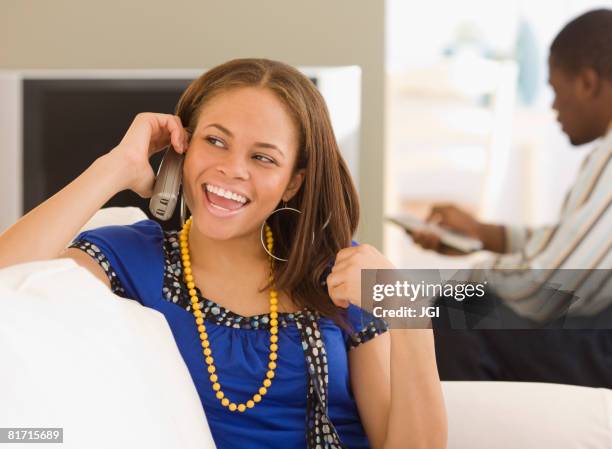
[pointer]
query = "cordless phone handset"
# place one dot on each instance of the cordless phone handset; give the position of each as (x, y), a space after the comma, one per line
(167, 185)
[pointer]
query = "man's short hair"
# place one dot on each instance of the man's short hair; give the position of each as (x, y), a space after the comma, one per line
(585, 42)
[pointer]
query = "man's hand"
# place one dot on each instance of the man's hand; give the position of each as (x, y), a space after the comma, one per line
(454, 219)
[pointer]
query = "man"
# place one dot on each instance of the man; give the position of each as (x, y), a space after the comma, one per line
(580, 66)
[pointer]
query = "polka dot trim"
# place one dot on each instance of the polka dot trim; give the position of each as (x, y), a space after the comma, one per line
(99, 257)
(375, 327)
(174, 290)
(320, 432)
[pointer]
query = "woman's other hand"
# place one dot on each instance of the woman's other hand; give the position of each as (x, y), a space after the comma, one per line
(344, 281)
(148, 134)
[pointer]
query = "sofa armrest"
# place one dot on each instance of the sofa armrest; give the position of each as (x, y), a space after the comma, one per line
(517, 415)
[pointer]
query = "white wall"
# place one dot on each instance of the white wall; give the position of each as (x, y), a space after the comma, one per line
(188, 33)
(418, 34)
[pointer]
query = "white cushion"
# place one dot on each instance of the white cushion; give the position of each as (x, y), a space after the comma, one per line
(115, 216)
(104, 368)
(517, 415)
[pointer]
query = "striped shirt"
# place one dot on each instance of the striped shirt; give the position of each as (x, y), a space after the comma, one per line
(580, 241)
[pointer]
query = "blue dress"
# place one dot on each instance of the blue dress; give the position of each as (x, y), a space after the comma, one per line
(143, 263)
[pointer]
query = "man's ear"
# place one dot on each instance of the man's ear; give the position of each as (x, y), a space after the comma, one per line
(294, 184)
(589, 83)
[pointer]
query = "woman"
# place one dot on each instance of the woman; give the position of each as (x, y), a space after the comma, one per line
(280, 352)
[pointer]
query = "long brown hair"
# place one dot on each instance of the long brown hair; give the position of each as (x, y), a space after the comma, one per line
(327, 198)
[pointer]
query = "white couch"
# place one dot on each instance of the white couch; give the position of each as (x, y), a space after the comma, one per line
(107, 370)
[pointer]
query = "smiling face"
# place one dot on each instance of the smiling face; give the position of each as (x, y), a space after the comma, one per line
(240, 162)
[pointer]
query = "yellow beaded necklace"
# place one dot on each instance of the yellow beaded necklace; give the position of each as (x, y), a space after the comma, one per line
(207, 351)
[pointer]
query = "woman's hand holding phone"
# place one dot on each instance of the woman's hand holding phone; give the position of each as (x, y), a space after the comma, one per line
(148, 134)
(125, 167)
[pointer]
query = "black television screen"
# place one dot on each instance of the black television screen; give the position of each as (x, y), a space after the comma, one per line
(69, 123)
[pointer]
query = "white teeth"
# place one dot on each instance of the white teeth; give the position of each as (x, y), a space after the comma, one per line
(225, 193)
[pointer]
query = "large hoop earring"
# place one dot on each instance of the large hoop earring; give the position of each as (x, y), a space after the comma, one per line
(261, 232)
